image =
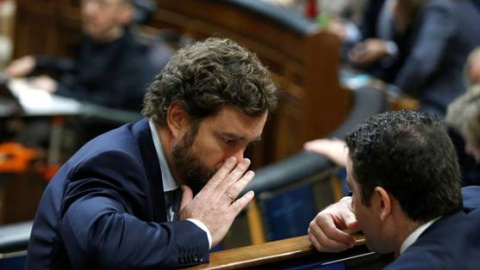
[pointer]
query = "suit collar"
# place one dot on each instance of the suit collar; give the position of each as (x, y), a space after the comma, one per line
(412, 238)
(168, 181)
(142, 132)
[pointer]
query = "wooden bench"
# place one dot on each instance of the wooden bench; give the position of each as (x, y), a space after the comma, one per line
(295, 253)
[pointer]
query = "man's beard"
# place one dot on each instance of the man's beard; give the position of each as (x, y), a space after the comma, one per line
(192, 171)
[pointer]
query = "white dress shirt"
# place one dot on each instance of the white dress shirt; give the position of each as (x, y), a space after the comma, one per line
(412, 238)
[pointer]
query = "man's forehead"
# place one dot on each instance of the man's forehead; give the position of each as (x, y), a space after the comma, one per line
(234, 122)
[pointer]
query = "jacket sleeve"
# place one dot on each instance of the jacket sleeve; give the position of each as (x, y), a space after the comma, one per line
(57, 65)
(100, 228)
(436, 27)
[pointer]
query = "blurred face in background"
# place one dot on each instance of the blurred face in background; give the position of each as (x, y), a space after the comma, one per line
(471, 147)
(104, 20)
(474, 73)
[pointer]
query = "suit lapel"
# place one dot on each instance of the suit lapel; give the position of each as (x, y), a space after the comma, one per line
(142, 131)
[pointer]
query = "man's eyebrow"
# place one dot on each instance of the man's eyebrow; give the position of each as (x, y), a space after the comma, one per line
(237, 137)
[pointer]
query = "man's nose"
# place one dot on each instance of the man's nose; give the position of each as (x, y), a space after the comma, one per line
(239, 154)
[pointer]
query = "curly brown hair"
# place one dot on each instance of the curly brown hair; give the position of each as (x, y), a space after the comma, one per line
(207, 75)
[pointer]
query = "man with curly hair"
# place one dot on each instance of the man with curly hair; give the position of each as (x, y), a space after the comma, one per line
(115, 204)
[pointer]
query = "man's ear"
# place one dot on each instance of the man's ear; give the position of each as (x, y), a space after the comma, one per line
(177, 120)
(384, 201)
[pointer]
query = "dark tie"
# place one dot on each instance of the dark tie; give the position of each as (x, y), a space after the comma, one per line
(173, 199)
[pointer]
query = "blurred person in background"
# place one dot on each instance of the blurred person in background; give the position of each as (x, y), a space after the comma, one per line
(112, 68)
(7, 10)
(463, 123)
(437, 37)
(463, 118)
(472, 68)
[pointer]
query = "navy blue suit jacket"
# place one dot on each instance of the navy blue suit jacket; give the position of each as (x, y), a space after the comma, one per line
(105, 209)
(452, 242)
(114, 74)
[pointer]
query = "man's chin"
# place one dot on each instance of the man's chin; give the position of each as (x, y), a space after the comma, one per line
(380, 249)
(90, 32)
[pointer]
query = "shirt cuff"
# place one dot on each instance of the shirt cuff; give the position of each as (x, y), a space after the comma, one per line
(352, 32)
(392, 51)
(392, 48)
(204, 228)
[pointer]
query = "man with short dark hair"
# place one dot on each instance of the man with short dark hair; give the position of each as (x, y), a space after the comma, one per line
(404, 175)
(115, 204)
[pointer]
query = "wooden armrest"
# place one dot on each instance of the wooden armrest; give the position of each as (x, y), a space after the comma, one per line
(247, 257)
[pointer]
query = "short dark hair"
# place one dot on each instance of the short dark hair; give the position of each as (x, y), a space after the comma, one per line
(207, 75)
(411, 156)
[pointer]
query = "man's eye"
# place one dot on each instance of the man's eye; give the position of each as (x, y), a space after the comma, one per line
(229, 141)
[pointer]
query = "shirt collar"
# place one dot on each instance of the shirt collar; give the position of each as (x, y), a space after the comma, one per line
(412, 238)
(168, 181)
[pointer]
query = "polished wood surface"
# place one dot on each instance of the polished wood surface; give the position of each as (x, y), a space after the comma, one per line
(256, 255)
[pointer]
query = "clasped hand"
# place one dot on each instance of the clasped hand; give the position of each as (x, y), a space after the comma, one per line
(325, 231)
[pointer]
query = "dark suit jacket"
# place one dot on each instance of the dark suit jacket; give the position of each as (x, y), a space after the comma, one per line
(476, 3)
(115, 74)
(105, 209)
(368, 28)
(444, 34)
(452, 242)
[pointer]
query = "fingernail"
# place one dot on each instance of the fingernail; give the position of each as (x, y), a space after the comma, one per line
(246, 161)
